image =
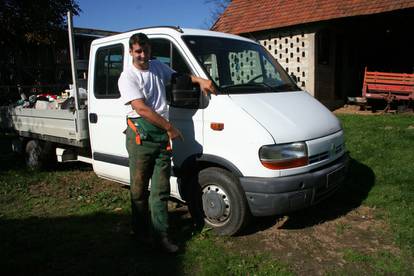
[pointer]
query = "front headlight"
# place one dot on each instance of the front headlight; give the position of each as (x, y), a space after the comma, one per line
(286, 156)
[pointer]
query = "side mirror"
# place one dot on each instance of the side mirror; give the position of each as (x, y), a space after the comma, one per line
(182, 93)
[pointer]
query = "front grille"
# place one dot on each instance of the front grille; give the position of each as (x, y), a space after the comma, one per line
(325, 155)
(318, 157)
(339, 148)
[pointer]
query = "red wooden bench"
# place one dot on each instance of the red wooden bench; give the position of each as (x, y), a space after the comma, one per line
(388, 86)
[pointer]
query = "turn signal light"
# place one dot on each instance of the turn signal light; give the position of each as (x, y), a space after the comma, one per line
(217, 126)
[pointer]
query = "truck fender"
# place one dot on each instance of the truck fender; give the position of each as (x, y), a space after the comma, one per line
(196, 163)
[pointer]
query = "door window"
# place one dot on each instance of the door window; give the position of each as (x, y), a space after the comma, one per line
(209, 62)
(108, 68)
(167, 53)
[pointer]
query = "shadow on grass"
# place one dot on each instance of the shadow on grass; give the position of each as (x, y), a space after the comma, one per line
(353, 192)
(13, 161)
(98, 244)
(10, 160)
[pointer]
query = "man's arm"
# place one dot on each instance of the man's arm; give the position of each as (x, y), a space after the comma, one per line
(154, 118)
(206, 86)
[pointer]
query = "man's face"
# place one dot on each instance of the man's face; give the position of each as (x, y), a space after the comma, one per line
(140, 55)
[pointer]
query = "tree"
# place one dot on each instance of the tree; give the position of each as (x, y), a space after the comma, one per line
(219, 6)
(28, 27)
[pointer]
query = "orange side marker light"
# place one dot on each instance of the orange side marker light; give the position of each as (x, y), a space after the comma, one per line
(217, 126)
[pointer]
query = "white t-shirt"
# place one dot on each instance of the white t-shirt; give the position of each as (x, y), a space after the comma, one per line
(146, 84)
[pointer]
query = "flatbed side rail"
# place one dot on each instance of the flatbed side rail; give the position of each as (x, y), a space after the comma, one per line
(59, 126)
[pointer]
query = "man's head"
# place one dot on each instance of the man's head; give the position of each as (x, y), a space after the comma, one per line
(140, 50)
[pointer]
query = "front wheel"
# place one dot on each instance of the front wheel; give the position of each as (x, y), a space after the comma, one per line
(221, 201)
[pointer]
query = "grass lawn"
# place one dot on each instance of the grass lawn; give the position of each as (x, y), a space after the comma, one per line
(68, 221)
(386, 145)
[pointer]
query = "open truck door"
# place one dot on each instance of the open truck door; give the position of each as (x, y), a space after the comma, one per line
(107, 112)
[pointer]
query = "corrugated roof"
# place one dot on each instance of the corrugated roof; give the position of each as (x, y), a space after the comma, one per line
(244, 16)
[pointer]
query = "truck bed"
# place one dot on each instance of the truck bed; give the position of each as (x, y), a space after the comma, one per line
(56, 125)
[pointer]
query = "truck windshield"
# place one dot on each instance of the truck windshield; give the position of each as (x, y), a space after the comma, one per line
(238, 66)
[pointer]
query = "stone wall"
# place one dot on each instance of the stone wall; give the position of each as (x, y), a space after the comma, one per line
(296, 54)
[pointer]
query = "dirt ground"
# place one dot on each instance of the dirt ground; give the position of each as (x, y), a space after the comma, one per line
(311, 247)
(320, 248)
(353, 109)
(312, 241)
(356, 109)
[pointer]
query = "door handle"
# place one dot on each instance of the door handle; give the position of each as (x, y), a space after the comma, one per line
(93, 118)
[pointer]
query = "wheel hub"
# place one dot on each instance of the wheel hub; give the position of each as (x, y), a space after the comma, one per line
(216, 204)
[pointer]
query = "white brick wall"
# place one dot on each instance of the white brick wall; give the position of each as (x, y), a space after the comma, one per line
(296, 55)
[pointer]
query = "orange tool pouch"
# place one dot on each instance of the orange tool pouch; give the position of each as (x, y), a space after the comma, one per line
(169, 148)
(134, 129)
(138, 139)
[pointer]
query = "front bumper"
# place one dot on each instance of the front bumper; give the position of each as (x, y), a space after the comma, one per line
(280, 195)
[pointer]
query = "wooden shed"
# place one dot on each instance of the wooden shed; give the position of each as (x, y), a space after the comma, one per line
(327, 43)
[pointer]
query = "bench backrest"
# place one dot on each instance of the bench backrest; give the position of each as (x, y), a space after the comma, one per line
(381, 82)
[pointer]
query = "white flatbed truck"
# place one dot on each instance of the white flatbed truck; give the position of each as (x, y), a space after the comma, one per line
(260, 147)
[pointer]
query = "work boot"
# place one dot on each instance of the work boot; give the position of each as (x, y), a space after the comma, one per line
(167, 245)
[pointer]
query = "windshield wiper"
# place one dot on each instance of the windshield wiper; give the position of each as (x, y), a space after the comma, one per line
(290, 86)
(262, 84)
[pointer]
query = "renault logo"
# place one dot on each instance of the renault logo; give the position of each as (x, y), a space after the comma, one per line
(332, 150)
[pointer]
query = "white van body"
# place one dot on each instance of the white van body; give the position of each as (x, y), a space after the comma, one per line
(251, 120)
(256, 148)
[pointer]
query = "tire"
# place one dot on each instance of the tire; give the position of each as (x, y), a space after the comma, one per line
(39, 155)
(220, 202)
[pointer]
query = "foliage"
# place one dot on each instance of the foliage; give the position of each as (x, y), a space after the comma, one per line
(25, 27)
(219, 6)
(33, 21)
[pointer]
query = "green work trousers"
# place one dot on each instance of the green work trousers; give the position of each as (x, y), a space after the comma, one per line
(149, 160)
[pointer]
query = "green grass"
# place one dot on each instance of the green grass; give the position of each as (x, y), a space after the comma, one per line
(385, 144)
(218, 261)
(380, 263)
(341, 228)
(69, 222)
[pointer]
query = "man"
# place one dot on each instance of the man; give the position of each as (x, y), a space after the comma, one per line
(142, 88)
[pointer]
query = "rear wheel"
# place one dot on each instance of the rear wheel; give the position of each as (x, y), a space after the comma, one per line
(39, 155)
(220, 201)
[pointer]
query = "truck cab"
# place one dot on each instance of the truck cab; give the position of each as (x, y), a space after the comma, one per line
(260, 147)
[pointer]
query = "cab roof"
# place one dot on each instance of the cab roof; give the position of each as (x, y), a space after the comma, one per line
(171, 31)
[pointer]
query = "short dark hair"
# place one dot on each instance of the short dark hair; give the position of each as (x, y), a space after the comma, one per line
(138, 38)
